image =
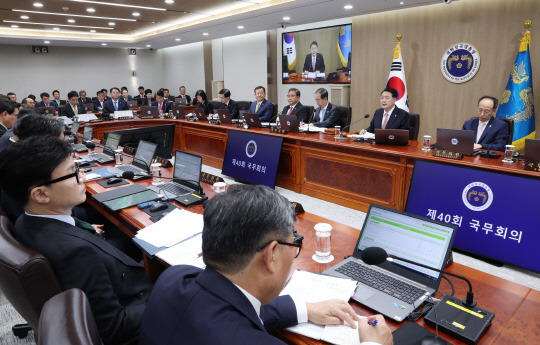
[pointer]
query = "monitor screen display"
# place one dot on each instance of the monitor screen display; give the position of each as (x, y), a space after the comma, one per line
(145, 152)
(496, 214)
(87, 133)
(320, 55)
(187, 167)
(252, 157)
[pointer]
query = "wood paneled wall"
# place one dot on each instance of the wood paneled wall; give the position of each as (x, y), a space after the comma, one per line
(494, 27)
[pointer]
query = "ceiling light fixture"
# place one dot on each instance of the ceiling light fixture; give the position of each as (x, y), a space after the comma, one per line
(121, 5)
(286, 18)
(92, 31)
(103, 44)
(38, 4)
(205, 33)
(75, 15)
(90, 10)
(135, 14)
(240, 27)
(348, 7)
(14, 26)
(148, 46)
(169, 1)
(112, 23)
(71, 20)
(401, 3)
(177, 39)
(50, 24)
(56, 29)
(46, 42)
(25, 17)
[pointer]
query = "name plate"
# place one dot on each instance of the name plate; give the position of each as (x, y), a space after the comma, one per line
(447, 154)
(164, 162)
(278, 130)
(129, 150)
(210, 179)
(96, 120)
(168, 116)
(147, 117)
(124, 118)
(531, 165)
(214, 122)
(192, 119)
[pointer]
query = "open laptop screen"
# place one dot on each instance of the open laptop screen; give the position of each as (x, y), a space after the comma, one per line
(187, 167)
(410, 237)
(145, 153)
(112, 140)
(87, 134)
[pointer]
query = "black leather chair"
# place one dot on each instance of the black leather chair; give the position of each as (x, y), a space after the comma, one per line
(510, 123)
(311, 110)
(26, 278)
(243, 105)
(414, 126)
(216, 105)
(66, 319)
(344, 116)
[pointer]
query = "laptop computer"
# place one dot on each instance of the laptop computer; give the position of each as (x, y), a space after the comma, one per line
(108, 150)
(75, 128)
(186, 176)
(456, 140)
(48, 110)
(180, 101)
(141, 162)
(178, 111)
(147, 111)
(289, 123)
(89, 107)
(411, 237)
(254, 121)
(199, 113)
(132, 105)
(87, 136)
(392, 136)
(224, 116)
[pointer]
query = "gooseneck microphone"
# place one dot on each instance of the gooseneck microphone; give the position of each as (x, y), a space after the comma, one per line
(341, 137)
(309, 123)
(92, 145)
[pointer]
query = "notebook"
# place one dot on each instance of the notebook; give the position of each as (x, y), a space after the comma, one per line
(199, 113)
(186, 176)
(289, 122)
(108, 150)
(178, 111)
(141, 162)
(147, 111)
(254, 121)
(224, 116)
(392, 136)
(87, 136)
(456, 140)
(132, 105)
(405, 235)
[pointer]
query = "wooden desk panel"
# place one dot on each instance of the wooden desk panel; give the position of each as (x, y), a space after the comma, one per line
(524, 327)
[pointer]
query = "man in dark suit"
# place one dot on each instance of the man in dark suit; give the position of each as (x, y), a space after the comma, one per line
(326, 115)
(125, 95)
(46, 101)
(105, 93)
(163, 105)
(295, 107)
(56, 98)
(44, 178)
(141, 93)
(314, 61)
(261, 106)
(389, 116)
(115, 103)
(228, 103)
(83, 99)
(235, 299)
(167, 95)
(99, 103)
(73, 107)
(489, 131)
(182, 94)
(8, 114)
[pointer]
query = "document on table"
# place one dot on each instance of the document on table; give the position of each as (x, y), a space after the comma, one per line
(341, 335)
(172, 229)
(366, 135)
(312, 287)
(188, 252)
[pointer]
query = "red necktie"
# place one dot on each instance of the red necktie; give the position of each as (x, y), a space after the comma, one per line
(386, 117)
(290, 111)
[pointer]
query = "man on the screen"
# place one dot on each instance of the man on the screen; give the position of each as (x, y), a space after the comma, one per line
(261, 106)
(295, 107)
(490, 132)
(389, 116)
(326, 115)
(228, 103)
(314, 61)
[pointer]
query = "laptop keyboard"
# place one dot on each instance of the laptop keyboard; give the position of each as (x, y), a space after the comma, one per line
(175, 189)
(382, 282)
(128, 168)
(79, 147)
(102, 157)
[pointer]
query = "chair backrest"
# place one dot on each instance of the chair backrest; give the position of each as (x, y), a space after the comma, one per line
(66, 319)
(244, 105)
(26, 277)
(310, 111)
(414, 126)
(344, 115)
(216, 105)
(510, 123)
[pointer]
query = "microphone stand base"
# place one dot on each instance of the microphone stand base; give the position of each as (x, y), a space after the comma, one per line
(490, 155)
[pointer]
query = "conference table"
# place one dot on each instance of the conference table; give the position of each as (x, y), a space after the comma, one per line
(515, 306)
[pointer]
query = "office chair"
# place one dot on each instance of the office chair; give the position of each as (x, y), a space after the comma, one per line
(414, 126)
(344, 116)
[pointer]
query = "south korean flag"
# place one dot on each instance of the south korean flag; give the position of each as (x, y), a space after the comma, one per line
(396, 79)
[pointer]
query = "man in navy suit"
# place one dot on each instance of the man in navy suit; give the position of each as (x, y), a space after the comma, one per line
(44, 178)
(73, 107)
(83, 99)
(389, 116)
(182, 94)
(56, 98)
(115, 103)
(295, 107)
(46, 101)
(248, 246)
(326, 115)
(314, 61)
(141, 93)
(490, 132)
(261, 106)
(99, 103)
(163, 105)
(228, 103)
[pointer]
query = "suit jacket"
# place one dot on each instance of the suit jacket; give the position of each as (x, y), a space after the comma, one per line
(116, 286)
(51, 104)
(5, 137)
(147, 102)
(194, 306)
(319, 63)
(299, 110)
(139, 96)
(206, 106)
(129, 98)
(494, 136)
(187, 97)
(232, 107)
(266, 110)
(166, 106)
(97, 104)
(85, 100)
(67, 110)
(399, 119)
(331, 117)
(109, 106)
(57, 103)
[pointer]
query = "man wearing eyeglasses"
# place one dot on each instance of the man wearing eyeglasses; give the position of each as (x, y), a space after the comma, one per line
(40, 174)
(248, 246)
(489, 132)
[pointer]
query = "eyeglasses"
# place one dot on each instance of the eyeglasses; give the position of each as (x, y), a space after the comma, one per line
(68, 176)
(297, 242)
(485, 111)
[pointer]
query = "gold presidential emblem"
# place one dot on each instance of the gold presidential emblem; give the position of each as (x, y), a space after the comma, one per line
(526, 96)
(519, 74)
(506, 96)
(460, 62)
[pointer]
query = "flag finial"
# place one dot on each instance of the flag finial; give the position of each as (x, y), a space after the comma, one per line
(398, 37)
(527, 24)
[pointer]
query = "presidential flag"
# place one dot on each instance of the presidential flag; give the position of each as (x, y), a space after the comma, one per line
(396, 79)
(344, 44)
(289, 50)
(517, 99)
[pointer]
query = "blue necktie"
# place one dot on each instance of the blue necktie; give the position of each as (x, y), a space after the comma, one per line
(115, 105)
(323, 112)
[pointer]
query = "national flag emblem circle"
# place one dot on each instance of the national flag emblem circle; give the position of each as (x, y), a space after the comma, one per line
(398, 84)
(460, 63)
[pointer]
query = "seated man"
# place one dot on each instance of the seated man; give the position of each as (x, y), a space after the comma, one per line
(167, 95)
(56, 98)
(141, 93)
(389, 116)
(326, 115)
(99, 103)
(182, 94)
(44, 178)
(228, 103)
(83, 99)
(12, 96)
(8, 115)
(295, 107)
(163, 104)
(489, 131)
(9, 133)
(315, 61)
(261, 106)
(28, 102)
(73, 107)
(114, 103)
(248, 247)
(126, 96)
(46, 101)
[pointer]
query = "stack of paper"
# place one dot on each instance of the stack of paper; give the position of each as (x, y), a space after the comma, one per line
(366, 135)
(188, 252)
(174, 228)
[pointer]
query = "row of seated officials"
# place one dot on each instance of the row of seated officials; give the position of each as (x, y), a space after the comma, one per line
(234, 300)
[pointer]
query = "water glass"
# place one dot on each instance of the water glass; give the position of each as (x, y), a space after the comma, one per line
(427, 143)
(323, 246)
(337, 131)
(219, 187)
(509, 154)
(156, 173)
(118, 155)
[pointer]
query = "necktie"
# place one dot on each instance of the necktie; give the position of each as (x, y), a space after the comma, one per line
(257, 107)
(115, 105)
(386, 116)
(86, 226)
(323, 112)
(290, 111)
(75, 110)
(313, 62)
(480, 131)
(160, 104)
